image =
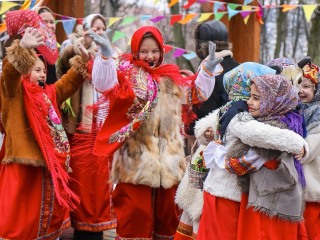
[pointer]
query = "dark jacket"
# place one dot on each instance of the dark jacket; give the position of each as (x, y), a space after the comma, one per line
(218, 97)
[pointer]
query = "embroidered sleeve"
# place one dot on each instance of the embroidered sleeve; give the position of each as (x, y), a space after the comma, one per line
(201, 89)
(216, 155)
(250, 162)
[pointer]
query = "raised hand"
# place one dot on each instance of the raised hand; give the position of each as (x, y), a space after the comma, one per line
(31, 39)
(103, 41)
(85, 54)
(212, 61)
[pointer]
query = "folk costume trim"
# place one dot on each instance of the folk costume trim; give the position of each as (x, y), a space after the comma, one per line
(92, 227)
(185, 230)
(238, 166)
(47, 203)
(56, 234)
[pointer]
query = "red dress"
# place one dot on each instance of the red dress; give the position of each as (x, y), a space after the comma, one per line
(39, 215)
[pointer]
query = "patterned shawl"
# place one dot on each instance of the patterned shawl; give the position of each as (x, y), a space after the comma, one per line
(277, 96)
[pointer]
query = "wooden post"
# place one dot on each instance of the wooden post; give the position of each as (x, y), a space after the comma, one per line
(71, 8)
(245, 38)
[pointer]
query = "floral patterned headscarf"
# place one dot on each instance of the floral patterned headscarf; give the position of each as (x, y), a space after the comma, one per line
(277, 96)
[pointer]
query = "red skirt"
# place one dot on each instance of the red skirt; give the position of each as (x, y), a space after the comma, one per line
(312, 220)
(95, 211)
(219, 218)
(254, 225)
(145, 213)
(28, 207)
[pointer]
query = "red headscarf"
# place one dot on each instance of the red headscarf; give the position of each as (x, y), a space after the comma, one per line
(139, 35)
(18, 21)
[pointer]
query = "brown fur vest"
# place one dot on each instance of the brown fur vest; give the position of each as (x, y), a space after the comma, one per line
(154, 155)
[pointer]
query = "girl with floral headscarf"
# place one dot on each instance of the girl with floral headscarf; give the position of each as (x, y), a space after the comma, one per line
(265, 197)
(139, 130)
(222, 190)
(94, 213)
(310, 97)
(35, 197)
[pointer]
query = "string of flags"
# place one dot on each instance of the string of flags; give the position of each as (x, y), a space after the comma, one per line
(220, 9)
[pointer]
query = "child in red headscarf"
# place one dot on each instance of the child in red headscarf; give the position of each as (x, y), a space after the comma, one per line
(34, 193)
(139, 120)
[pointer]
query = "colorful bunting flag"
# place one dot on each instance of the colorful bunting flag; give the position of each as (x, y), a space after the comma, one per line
(113, 20)
(174, 19)
(308, 10)
(117, 35)
(246, 19)
(145, 17)
(287, 7)
(190, 56)
(179, 52)
(157, 19)
(247, 2)
(204, 16)
(173, 2)
(216, 6)
(155, 2)
(6, 6)
(68, 25)
(233, 6)
(246, 11)
(231, 12)
(128, 20)
(167, 48)
(187, 18)
(219, 15)
(190, 2)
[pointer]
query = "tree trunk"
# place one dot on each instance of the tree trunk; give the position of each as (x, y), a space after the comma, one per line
(280, 30)
(314, 39)
(179, 40)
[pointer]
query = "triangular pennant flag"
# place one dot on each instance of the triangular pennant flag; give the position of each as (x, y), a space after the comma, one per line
(190, 56)
(203, 1)
(113, 20)
(233, 6)
(155, 2)
(129, 43)
(204, 16)
(219, 15)
(173, 2)
(190, 2)
(308, 10)
(167, 48)
(232, 12)
(187, 18)
(145, 17)
(68, 26)
(179, 52)
(117, 35)
(246, 11)
(6, 6)
(58, 45)
(246, 19)
(245, 2)
(174, 19)
(287, 7)
(128, 20)
(216, 6)
(157, 19)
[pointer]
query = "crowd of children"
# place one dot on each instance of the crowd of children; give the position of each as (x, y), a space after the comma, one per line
(103, 148)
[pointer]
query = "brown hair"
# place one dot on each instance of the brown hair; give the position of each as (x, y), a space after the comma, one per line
(98, 17)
